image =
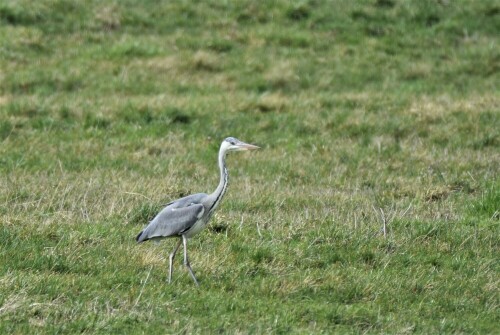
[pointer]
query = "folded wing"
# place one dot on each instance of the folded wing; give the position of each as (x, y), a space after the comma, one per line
(172, 221)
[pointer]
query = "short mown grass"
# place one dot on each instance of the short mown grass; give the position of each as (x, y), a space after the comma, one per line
(373, 206)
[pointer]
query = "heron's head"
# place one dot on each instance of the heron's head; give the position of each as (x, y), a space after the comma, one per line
(233, 144)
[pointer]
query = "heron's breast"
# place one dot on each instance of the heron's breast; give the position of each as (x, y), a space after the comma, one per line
(197, 227)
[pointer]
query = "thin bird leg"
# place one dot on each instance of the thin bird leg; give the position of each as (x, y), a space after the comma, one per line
(186, 261)
(171, 261)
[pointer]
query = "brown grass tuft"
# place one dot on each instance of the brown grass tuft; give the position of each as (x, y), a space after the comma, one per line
(282, 76)
(205, 61)
(272, 102)
(109, 17)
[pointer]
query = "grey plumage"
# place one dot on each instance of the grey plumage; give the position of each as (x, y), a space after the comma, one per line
(186, 217)
(177, 217)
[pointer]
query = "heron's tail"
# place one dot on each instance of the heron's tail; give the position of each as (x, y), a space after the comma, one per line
(139, 237)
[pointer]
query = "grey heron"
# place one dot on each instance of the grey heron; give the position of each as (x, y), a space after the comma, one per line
(186, 217)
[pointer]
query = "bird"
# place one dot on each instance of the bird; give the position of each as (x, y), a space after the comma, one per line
(186, 217)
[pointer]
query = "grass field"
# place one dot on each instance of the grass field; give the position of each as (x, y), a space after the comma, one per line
(370, 114)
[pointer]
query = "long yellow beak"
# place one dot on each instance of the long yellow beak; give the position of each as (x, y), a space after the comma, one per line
(246, 146)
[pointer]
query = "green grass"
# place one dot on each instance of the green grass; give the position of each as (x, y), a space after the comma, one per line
(368, 112)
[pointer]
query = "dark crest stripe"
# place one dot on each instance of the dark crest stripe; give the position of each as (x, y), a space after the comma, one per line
(221, 194)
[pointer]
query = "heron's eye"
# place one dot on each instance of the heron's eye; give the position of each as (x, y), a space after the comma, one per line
(232, 142)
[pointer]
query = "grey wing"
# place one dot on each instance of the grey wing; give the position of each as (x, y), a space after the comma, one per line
(188, 200)
(172, 221)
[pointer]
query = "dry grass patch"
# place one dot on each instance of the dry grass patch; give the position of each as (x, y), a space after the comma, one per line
(418, 71)
(275, 102)
(206, 61)
(438, 107)
(167, 64)
(4, 99)
(282, 76)
(109, 17)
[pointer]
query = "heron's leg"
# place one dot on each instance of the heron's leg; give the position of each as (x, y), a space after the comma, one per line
(186, 261)
(171, 261)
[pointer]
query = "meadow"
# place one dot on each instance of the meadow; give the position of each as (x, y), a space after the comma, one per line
(373, 206)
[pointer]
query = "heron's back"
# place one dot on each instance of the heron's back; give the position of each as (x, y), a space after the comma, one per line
(175, 219)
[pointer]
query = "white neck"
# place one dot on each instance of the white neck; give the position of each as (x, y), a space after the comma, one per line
(224, 179)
